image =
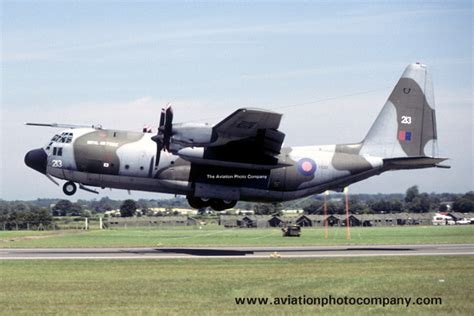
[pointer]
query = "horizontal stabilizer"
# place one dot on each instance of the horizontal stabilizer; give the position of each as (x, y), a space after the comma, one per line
(413, 162)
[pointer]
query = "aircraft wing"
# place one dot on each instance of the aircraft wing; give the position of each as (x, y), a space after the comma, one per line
(248, 138)
(245, 123)
(250, 129)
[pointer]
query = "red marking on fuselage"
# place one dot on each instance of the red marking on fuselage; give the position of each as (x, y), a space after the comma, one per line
(306, 166)
(401, 135)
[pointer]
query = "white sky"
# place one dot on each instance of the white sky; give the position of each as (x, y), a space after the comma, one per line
(118, 63)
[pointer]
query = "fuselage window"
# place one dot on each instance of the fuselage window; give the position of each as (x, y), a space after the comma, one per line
(54, 151)
(60, 151)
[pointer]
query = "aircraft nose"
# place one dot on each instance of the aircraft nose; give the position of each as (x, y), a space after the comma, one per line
(37, 159)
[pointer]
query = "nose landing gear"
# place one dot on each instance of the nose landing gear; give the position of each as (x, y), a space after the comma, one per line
(69, 188)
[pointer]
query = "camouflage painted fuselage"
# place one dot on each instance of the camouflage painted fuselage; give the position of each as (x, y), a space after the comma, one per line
(221, 167)
(126, 160)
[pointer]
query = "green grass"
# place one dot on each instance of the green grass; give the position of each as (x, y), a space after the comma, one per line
(216, 236)
(209, 286)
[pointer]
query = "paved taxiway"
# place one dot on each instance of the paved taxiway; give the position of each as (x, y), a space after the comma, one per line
(240, 252)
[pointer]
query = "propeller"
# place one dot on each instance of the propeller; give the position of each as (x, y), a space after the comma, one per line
(168, 127)
(164, 133)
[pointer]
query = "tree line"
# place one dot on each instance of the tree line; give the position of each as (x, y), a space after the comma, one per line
(41, 211)
(19, 215)
(413, 201)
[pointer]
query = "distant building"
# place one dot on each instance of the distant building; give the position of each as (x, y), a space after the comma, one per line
(452, 218)
(293, 211)
(112, 213)
(151, 221)
(237, 211)
(163, 210)
(310, 220)
(254, 221)
(364, 220)
(457, 216)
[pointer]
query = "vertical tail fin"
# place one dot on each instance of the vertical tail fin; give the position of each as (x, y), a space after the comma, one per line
(406, 126)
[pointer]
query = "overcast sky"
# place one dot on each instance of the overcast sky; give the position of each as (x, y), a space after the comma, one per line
(327, 67)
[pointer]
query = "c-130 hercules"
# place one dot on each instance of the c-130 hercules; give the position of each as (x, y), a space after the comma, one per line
(241, 158)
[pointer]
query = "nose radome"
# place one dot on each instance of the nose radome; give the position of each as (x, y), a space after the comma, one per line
(37, 159)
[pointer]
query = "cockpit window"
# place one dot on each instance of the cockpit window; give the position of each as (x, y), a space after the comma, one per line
(63, 138)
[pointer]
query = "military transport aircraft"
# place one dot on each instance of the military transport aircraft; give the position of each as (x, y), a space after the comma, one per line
(242, 158)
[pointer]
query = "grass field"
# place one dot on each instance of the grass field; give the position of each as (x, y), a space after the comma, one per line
(209, 286)
(217, 236)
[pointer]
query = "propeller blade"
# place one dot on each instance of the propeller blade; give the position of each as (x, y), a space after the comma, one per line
(159, 147)
(162, 118)
(159, 137)
(168, 127)
(164, 132)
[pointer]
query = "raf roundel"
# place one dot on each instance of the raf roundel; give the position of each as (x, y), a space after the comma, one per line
(306, 166)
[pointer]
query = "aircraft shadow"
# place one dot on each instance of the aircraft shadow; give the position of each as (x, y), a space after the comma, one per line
(206, 252)
(229, 252)
(203, 252)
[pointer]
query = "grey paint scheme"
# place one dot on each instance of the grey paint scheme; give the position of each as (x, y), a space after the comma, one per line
(410, 108)
(127, 158)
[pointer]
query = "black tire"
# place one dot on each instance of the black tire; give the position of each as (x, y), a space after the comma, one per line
(229, 204)
(220, 205)
(69, 188)
(197, 203)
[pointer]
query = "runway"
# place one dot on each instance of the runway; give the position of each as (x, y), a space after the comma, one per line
(238, 252)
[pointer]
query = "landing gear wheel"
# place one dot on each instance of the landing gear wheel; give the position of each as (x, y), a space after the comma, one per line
(69, 188)
(220, 205)
(229, 204)
(197, 203)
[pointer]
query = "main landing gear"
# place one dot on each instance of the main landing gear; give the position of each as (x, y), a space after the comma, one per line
(216, 204)
(69, 188)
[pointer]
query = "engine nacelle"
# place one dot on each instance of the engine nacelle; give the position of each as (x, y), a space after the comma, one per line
(191, 135)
